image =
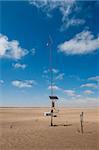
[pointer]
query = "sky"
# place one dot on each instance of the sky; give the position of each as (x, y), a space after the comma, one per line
(28, 29)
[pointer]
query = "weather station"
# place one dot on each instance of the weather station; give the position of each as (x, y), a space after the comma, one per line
(53, 111)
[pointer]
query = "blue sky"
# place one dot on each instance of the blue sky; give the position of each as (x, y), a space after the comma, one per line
(25, 27)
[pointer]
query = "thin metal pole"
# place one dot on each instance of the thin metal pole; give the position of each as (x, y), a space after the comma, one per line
(51, 63)
(51, 77)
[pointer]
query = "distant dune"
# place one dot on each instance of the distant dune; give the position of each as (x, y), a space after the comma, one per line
(28, 129)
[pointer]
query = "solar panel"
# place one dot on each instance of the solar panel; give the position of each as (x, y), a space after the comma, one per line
(53, 97)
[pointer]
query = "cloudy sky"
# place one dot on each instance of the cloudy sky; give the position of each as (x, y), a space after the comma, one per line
(25, 28)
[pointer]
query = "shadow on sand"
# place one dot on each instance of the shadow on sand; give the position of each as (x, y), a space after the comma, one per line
(64, 125)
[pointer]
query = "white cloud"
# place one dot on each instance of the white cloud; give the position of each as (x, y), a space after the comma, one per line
(55, 71)
(56, 75)
(80, 102)
(33, 51)
(89, 85)
(54, 87)
(88, 92)
(49, 5)
(66, 8)
(72, 22)
(23, 84)
(70, 92)
(96, 78)
(1, 82)
(74, 77)
(45, 71)
(11, 49)
(82, 43)
(18, 65)
(60, 76)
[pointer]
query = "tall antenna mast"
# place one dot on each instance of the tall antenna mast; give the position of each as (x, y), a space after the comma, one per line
(52, 97)
(51, 63)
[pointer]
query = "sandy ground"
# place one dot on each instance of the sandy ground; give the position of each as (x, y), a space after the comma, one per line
(28, 129)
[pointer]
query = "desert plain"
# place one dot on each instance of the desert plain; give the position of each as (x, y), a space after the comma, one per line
(29, 129)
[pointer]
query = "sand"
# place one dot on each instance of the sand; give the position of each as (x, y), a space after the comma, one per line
(28, 129)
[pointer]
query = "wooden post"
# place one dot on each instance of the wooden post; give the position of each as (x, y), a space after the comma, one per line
(81, 122)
